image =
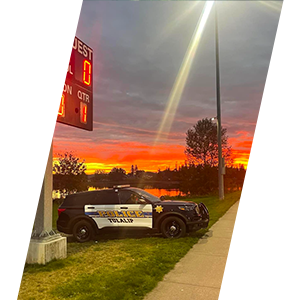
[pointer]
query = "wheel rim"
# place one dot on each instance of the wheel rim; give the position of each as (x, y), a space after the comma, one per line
(82, 233)
(173, 229)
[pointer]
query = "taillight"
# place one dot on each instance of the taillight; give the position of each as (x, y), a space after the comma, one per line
(60, 210)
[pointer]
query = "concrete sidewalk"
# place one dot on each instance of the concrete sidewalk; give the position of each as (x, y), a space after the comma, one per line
(199, 274)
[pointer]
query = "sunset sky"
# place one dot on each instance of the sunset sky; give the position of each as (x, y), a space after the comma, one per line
(138, 50)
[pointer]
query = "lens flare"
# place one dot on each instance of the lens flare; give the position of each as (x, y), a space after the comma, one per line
(182, 76)
(176, 22)
(274, 5)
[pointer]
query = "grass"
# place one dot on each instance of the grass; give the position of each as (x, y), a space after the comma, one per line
(114, 268)
(54, 215)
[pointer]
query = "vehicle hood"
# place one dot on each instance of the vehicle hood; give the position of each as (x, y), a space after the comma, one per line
(176, 203)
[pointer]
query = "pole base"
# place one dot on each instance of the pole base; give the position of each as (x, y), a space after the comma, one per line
(43, 250)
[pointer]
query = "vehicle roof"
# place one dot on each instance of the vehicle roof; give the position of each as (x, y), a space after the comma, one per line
(85, 193)
(101, 191)
(89, 192)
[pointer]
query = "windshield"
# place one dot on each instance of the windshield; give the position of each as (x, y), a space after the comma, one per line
(146, 195)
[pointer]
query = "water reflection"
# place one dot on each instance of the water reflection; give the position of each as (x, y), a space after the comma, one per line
(154, 191)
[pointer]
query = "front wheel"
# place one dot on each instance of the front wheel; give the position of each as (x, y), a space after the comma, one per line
(83, 231)
(173, 227)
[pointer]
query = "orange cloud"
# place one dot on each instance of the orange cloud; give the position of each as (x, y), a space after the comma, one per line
(240, 157)
(123, 155)
(107, 154)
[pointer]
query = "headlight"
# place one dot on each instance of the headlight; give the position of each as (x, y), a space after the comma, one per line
(186, 207)
(197, 209)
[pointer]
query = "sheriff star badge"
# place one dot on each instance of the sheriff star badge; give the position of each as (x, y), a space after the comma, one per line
(158, 209)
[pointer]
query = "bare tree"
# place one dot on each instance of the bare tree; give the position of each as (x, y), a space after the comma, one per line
(202, 144)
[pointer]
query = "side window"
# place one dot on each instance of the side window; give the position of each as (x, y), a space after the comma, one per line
(109, 197)
(128, 197)
(80, 199)
(90, 199)
(105, 197)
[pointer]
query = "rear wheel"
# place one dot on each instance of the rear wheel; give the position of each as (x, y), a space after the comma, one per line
(173, 227)
(83, 231)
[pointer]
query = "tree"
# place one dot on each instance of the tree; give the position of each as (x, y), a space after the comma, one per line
(69, 174)
(202, 144)
(117, 174)
(132, 171)
(198, 179)
(99, 175)
(69, 164)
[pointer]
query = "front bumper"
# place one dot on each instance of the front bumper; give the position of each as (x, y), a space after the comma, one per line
(196, 225)
(203, 220)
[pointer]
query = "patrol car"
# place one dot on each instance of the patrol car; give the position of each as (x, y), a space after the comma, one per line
(84, 214)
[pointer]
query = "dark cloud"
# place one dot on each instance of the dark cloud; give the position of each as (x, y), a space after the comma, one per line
(138, 49)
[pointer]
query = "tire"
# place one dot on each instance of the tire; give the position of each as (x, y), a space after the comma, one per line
(173, 227)
(83, 231)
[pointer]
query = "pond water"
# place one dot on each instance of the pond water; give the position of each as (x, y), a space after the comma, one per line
(154, 191)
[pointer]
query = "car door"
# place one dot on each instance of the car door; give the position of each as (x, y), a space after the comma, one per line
(104, 209)
(134, 211)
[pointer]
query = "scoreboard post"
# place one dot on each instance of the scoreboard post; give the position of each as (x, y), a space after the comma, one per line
(76, 109)
(76, 106)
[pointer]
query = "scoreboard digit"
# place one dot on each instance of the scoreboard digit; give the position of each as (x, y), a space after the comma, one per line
(76, 106)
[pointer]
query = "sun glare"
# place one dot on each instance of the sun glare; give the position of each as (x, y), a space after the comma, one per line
(176, 22)
(182, 76)
(274, 5)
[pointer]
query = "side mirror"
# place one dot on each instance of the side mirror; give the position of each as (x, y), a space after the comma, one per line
(162, 198)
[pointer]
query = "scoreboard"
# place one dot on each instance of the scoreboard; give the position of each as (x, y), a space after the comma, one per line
(76, 106)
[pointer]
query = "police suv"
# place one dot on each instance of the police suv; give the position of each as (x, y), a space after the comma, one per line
(124, 207)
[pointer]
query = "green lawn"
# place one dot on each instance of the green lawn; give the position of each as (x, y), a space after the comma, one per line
(114, 268)
(54, 215)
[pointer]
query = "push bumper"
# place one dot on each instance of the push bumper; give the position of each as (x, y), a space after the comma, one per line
(203, 220)
(196, 225)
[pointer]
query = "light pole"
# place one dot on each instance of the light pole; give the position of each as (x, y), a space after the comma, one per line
(219, 133)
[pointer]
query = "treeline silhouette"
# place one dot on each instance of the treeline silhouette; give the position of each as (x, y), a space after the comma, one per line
(190, 179)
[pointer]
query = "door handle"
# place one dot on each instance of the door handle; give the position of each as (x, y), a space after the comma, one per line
(124, 207)
(91, 207)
